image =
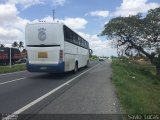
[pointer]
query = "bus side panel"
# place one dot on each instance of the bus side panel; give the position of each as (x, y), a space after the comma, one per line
(69, 62)
(83, 56)
(75, 53)
(70, 52)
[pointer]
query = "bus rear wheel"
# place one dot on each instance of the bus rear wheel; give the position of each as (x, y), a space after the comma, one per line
(87, 65)
(75, 68)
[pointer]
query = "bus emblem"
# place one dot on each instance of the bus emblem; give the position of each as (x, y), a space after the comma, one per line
(42, 34)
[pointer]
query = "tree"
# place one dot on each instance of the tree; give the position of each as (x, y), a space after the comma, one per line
(137, 35)
(2, 45)
(15, 44)
(20, 45)
(24, 53)
(24, 50)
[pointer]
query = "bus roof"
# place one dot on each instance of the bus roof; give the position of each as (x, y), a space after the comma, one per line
(43, 22)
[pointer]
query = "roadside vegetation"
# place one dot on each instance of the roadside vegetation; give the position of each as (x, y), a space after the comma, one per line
(14, 68)
(137, 86)
(136, 35)
(93, 57)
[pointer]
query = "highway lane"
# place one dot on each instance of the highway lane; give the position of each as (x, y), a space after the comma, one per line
(14, 95)
(17, 75)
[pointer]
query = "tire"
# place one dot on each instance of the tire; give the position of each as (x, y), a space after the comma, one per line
(75, 68)
(87, 65)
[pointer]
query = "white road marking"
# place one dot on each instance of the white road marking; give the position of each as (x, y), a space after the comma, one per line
(12, 73)
(44, 96)
(12, 81)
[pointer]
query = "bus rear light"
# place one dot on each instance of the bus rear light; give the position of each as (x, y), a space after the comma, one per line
(61, 55)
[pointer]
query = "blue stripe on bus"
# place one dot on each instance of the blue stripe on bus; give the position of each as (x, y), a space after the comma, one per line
(51, 68)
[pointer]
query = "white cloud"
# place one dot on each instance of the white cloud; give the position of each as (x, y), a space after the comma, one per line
(99, 47)
(10, 33)
(106, 22)
(58, 2)
(94, 41)
(74, 23)
(132, 7)
(11, 26)
(26, 3)
(8, 13)
(100, 13)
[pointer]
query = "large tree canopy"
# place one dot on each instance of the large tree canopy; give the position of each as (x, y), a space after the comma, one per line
(136, 33)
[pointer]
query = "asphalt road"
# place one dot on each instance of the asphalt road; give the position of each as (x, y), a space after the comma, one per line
(89, 91)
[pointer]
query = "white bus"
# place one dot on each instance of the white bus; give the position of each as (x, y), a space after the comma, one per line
(55, 48)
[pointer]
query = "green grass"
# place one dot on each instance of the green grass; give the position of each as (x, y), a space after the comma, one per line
(14, 68)
(137, 87)
(93, 59)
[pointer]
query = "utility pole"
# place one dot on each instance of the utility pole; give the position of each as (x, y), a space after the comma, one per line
(53, 14)
(10, 58)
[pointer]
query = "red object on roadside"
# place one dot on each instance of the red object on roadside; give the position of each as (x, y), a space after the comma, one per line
(5, 55)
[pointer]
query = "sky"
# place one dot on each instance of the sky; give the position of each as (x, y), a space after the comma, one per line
(86, 17)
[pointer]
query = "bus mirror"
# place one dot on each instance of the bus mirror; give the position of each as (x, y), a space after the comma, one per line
(90, 52)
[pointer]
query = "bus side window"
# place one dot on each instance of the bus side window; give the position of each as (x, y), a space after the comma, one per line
(74, 38)
(87, 45)
(83, 43)
(65, 33)
(70, 36)
(79, 41)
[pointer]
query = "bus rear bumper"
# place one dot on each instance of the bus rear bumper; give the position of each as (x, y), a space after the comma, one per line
(49, 68)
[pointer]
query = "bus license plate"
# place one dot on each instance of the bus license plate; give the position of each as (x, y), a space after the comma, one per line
(43, 68)
(42, 55)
